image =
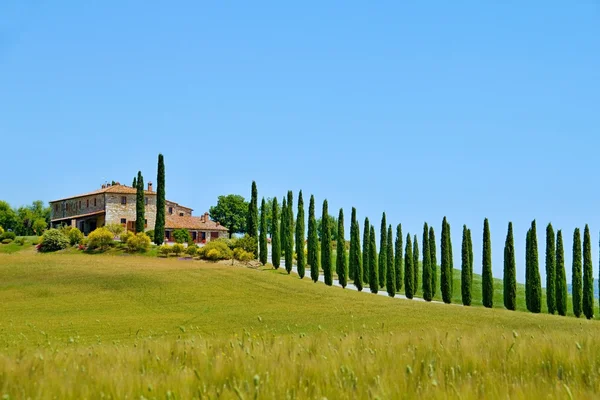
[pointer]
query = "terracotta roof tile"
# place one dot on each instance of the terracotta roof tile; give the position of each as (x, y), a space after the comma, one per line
(121, 189)
(195, 223)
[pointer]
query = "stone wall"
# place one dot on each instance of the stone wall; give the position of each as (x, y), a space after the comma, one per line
(115, 210)
(177, 209)
(76, 206)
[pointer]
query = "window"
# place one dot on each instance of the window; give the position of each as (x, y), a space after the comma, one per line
(145, 222)
(170, 210)
(146, 200)
(94, 202)
(168, 234)
(181, 214)
(79, 204)
(123, 220)
(56, 207)
(88, 203)
(123, 199)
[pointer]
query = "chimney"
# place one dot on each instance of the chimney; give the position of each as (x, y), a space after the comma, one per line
(206, 217)
(149, 186)
(103, 186)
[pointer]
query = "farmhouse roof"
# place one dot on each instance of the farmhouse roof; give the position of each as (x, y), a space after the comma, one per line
(117, 188)
(202, 223)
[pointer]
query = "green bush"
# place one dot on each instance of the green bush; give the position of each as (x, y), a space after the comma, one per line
(242, 255)
(150, 234)
(125, 236)
(177, 248)
(75, 236)
(115, 229)
(138, 243)
(6, 241)
(1, 231)
(8, 235)
(101, 238)
(221, 251)
(191, 250)
(53, 240)
(182, 236)
(247, 243)
(164, 250)
(20, 241)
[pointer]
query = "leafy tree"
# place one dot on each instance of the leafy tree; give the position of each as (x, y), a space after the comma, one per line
(252, 216)
(486, 275)
(409, 280)
(415, 265)
(159, 226)
(366, 249)
(140, 205)
(576, 285)
(181, 235)
(466, 274)
(445, 267)
(399, 258)
(326, 247)
(300, 261)
(561, 276)
(373, 270)
(231, 212)
(510, 271)
(550, 270)
(534, 271)
(341, 266)
(275, 239)
(433, 261)
(289, 230)
(427, 289)
(264, 251)
(312, 254)
(390, 281)
(382, 252)
(355, 261)
(588, 275)
(39, 226)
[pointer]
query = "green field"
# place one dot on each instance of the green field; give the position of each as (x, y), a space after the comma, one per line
(97, 326)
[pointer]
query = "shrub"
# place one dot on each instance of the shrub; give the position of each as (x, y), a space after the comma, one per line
(9, 235)
(164, 250)
(115, 229)
(191, 250)
(246, 243)
(75, 236)
(20, 241)
(242, 255)
(65, 229)
(150, 234)
(138, 243)
(177, 248)
(101, 238)
(6, 241)
(53, 240)
(221, 251)
(125, 236)
(182, 236)
(1, 231)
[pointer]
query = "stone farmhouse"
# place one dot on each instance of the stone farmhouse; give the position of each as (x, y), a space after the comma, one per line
(115, 204)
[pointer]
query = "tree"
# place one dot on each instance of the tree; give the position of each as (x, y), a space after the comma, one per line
(326, 247)
(262, 238)
(231, 211)
(409, 281)
(39, 226)
(252, 216)
(341, 266)
(300, 261)
(275, 239)
(427, 289)
(415, 265)
(466, 274)
(576, 284)
(486, 275)
(433, 261)
(366, 249)
(399, 258)
(159, 225)
(312, 249)
(445, 266)
(289, 230)
(470, 254)
(550, 270)
(534, 270)
(373, 269)
(510, 271)
(8, 216)
(355, 261)
(134, 184)
(390, 281)
(528, 270)
(382, 252)
(561, 276)
(588, 275)
(333, 225)
(140, 205)
(269, 214)
(283, 223)
(181, 235)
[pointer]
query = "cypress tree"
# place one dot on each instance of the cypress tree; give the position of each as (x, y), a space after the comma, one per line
(561, 276)
(470, 254)
(365, 255)
(528, 270)
(486, 275)
(588, 275)
(390, 281)
(383, 252)
(312, 247)
(451, 259)
(262, 237)
(373, 270)
(283, 228)
(275, 235)
(140, 205)
(159, 226)
(510, 271)
(465, 272)
(536, 280)
(399, 258)
(300, 261)
(415, 265)
(326, 246)
(433, 261)
(550, 270)
(341, 266)
(134, 184)
(289, 230)
(446, 272)
(427, 289)
(252, 217)
(409, 281)
(355, 260)
(576, 284)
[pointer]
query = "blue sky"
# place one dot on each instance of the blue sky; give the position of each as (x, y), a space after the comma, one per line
(466, 109)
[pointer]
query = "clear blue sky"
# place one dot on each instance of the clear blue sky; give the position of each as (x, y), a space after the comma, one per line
(467, 109)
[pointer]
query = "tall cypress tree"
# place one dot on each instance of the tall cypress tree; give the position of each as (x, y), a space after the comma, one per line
(390, 281)
(470, 254)
(383, 252)
(409, 281)
(262, 237)
(275, 235)
(283, 220)
(588, 275)
(300, 261)
(465, 272)
(252, 217)
(355, 261)
(140, 205)
(427, 289)
(366, 249)
(561, 276)
(528, 279)
(326, 246)
(134, 184)
(351, 268)
(433, 261)
(510, 271)
(577, 284)
(536, 280)
(159, 225)
(312, 247)
(451, 259)
(415, 265)
(399, 258)
(486, 275)
(446, 272)
(289, 230)
(373, 270)
(341, 266)
(550, 270)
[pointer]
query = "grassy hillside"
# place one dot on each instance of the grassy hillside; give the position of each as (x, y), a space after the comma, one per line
(76, 326)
